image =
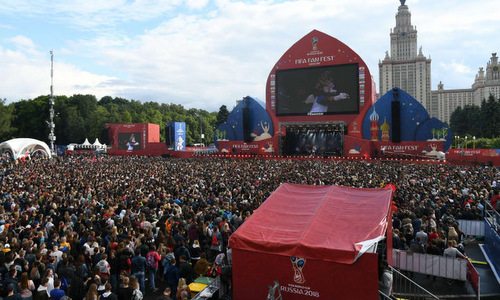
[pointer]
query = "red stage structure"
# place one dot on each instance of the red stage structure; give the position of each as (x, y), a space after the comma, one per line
(320, 52)
(320, 101)
(312, 242)
(135, 139)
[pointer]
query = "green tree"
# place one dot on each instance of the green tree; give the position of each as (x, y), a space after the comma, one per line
(490, 116)
(82, 116)
(61, 105)
(222, 116)
(31, 117)
(154, 116)
(76, 130)
(98, 121)
(114, 113)
(6, 117)
(125, 117)
(457, 121)
(466, 120)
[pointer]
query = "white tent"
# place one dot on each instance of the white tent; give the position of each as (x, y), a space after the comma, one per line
(97, 144)
(86, 143)
(25, 147)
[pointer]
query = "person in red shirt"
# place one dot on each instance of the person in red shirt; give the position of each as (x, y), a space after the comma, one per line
(152, 259)
(433, 234)
(494, 200)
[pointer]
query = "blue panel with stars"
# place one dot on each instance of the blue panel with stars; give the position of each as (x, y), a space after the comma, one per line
(413, 116)
(261, 126)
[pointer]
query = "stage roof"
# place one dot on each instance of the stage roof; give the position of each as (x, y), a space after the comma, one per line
(330, 223)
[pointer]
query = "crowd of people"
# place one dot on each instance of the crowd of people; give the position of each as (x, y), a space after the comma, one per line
(116, 227)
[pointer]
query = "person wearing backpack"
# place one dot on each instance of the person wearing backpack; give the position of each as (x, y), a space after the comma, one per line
(152, 259)
(216, 244)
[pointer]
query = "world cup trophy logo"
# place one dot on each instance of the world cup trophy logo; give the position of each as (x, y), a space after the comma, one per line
(298, 264)
(315, 43)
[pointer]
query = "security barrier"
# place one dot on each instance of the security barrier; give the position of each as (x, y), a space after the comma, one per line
(405, 288)
(428, 264)
(472, 228)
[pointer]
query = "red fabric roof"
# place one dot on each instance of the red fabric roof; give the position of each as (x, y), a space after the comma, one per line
(318, 222)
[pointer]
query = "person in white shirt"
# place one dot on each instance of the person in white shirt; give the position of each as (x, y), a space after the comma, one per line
(423, 236)
(57, 254)
(452, 252)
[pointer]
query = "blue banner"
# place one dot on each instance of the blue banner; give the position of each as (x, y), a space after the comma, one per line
(179, 129)
(492, 246)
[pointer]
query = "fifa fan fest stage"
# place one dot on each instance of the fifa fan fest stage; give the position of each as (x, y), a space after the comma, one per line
(321, 102)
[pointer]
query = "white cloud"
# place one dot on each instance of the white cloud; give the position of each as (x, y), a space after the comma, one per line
(196, 4)
(208, 53)
(459, 67)
(93, 15)
(22, 42)
(210, 61)
(28, 74)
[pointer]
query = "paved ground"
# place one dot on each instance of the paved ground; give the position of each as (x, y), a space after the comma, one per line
(150, 295)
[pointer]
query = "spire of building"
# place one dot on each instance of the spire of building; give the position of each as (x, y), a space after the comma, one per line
(403, 36)
(405, 66)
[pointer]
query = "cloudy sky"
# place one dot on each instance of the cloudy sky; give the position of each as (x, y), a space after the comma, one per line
(206, 53)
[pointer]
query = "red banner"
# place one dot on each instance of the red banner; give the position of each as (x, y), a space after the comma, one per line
(264, 147)
(256, 275)
(473, 277)
(489, 156)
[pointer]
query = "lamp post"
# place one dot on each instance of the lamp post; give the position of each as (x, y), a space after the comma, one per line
(474, 142)
(458, 141)
(52, 125)
(201, 134)
(465, 142)
(455, 141)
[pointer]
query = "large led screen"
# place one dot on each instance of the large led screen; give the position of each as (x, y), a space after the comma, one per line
(129, 141)
(317, 91)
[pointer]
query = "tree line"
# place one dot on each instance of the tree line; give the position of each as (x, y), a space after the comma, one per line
(83, 116)
(482, 122)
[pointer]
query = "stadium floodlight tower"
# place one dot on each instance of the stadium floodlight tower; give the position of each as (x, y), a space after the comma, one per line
(52, 125)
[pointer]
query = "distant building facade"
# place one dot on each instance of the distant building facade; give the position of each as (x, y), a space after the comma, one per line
(406, 69)
(486, 83)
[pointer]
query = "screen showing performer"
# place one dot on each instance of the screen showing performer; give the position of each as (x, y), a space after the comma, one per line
(318, 91)
(129, 141)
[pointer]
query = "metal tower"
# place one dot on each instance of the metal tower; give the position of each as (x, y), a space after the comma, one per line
(52, 125)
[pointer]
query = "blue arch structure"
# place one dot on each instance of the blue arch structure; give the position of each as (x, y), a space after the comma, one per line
(258, 122)
(416, 123)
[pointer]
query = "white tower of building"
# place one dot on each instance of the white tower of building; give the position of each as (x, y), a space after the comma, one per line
(405, 67)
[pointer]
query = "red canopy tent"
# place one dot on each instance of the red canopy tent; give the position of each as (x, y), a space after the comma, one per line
(312, 241)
